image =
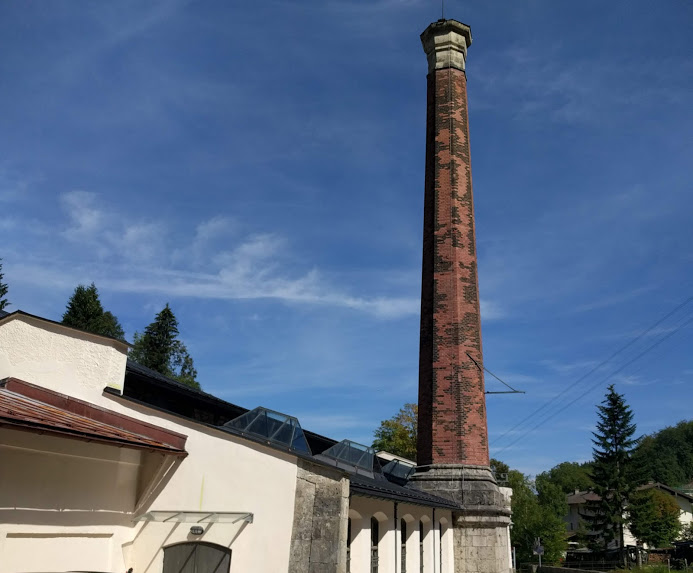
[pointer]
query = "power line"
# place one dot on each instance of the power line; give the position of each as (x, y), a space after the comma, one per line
(620, 369)
(593, 370)
(480, 367)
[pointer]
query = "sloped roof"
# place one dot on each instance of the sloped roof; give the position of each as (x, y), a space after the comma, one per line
(381, 488)
(178, 399)
(20, 313)
(28, 407)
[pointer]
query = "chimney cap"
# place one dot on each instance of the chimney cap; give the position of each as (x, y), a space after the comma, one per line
(443, 26)
(445, 43)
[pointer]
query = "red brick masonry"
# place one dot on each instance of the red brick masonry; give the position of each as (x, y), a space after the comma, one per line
(452, 406)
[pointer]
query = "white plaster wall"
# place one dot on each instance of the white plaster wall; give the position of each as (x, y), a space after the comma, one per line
(225, 473)
(686, 507)
(60, 358)
(64, 503)
(221, 473)
(389, 548)
(84, 493)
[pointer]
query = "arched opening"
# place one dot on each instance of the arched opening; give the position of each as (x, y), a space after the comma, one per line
(375, 538)
(421, 547)
(197, 557)
(348, 556)
(443, 545)
(403, 545)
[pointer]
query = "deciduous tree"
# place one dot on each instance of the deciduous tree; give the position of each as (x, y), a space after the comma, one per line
(568, 477)
(85, 311)
(158, 348)
(654, 518)
(398, 434)
(532, 520)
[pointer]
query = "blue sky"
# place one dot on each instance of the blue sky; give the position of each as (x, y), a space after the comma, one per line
(259, 165)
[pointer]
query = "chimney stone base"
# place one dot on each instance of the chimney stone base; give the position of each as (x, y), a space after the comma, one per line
(482, 525)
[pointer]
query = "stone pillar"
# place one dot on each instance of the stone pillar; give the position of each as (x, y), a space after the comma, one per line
(453, 456)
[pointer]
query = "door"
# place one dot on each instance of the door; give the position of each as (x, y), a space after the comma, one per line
(197, 557)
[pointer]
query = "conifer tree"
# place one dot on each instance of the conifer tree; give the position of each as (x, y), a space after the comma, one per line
(85, 311)
(3, 290)
(611, 473)
(158, 348)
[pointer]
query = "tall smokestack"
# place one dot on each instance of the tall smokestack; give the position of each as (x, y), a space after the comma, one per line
(453, 454)
(452, 405)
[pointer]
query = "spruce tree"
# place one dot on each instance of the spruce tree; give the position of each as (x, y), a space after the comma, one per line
(158, 348)
(84, 311)
(3, 290)
(611, 473)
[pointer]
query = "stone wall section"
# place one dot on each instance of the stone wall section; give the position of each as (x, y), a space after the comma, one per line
(480, 549)
(318, 538)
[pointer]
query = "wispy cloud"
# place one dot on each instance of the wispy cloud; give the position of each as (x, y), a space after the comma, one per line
(147, 262)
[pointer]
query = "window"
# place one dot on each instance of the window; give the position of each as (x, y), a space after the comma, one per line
(440, 544)
(421, 547)
(375, 535)
(403, 544)
(349, 546)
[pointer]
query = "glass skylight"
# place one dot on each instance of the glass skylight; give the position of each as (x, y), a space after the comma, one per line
(398, 471)
(352, 454)
(274, 426)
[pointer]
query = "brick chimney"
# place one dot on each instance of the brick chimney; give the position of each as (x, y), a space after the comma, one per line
(452, 406)
(453, 456)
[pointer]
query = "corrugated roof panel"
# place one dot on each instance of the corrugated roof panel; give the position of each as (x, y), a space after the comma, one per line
(21, 411)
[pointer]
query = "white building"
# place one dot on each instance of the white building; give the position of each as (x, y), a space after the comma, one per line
(108, 466)
(578, 508)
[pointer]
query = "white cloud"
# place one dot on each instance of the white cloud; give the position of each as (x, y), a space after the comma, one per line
(144, 256)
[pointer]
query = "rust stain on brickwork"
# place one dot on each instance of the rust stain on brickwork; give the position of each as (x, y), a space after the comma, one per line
(452, 405)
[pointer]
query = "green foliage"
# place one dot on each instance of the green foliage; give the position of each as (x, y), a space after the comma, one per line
(158, 348)
(612, 476)
(500, 470)
(667, 456)
(3, 290)
(686, 532)
(568, 477)
(533, 518)
(654, 517)
(398, 434)
(84, 311)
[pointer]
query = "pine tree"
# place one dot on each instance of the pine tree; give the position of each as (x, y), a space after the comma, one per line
(158, 348)
(84, 311)
(3, 290)
(611, 472)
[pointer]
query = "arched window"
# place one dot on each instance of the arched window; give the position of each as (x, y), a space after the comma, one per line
(421, 547)
(403, 545)
(440, 544)
(375, 536)
(197, 557)
(349, 546)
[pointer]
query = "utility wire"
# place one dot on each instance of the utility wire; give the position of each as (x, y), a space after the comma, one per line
(600, 382)
(597, 367)
(480, 367)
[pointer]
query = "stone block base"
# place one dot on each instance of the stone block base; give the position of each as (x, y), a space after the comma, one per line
(481, 526)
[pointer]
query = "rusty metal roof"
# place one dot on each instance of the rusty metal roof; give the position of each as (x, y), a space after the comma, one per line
(22, 412)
